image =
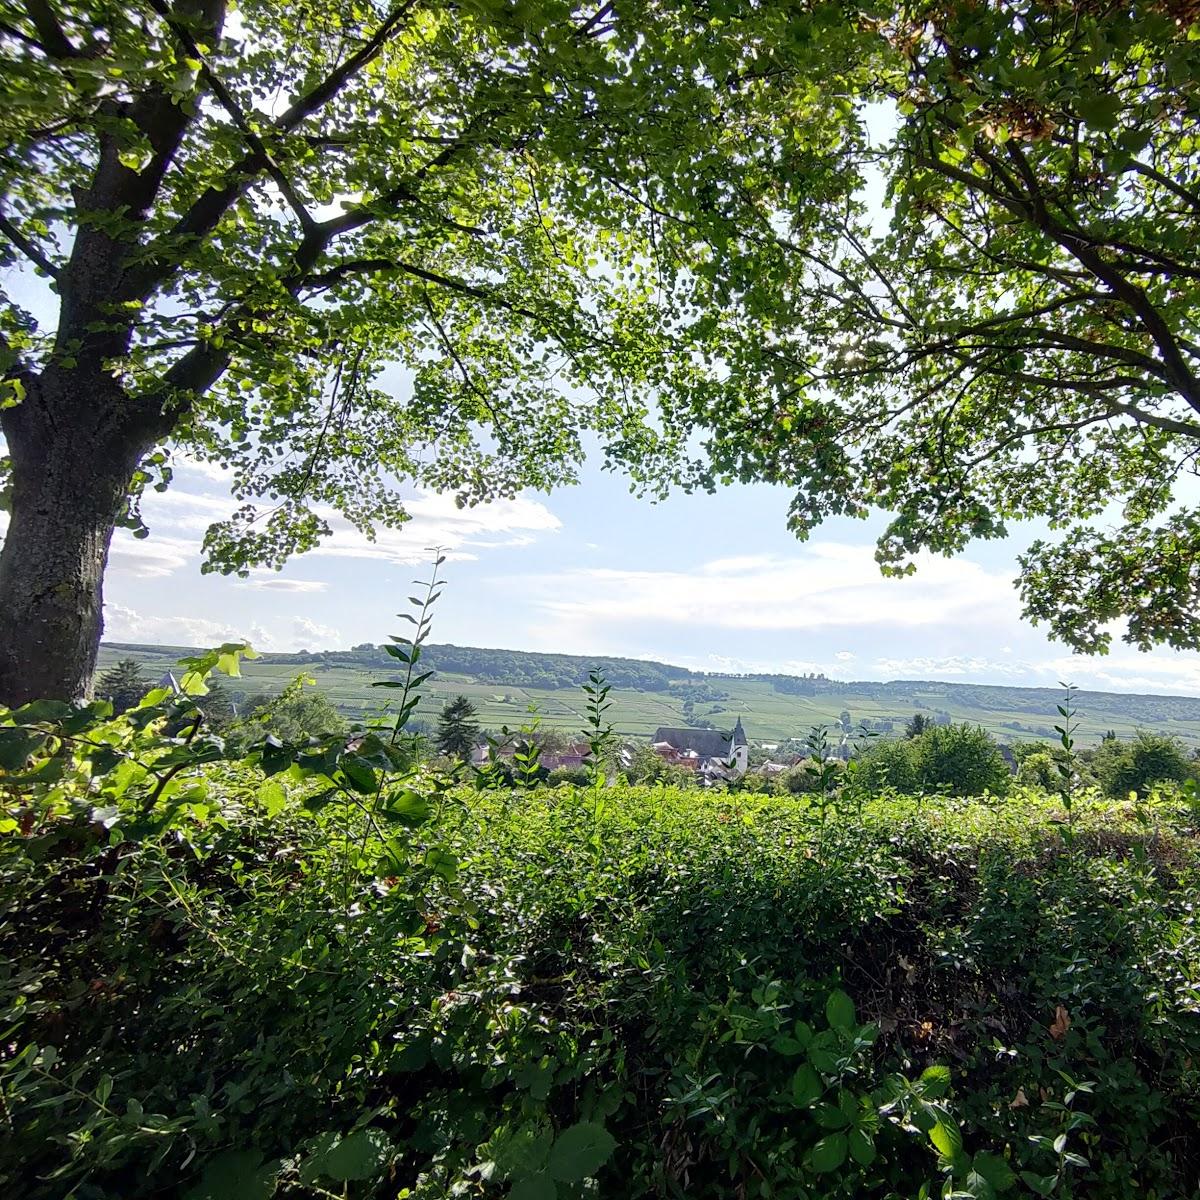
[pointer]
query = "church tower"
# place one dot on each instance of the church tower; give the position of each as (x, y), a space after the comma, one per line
(739, 749)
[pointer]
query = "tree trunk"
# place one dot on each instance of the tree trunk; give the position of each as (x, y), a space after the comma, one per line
(71, 471)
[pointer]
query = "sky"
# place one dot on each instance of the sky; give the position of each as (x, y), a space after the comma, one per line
(714, 583)
(709, 582)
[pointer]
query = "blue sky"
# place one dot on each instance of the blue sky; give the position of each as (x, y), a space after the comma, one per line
(711, 582)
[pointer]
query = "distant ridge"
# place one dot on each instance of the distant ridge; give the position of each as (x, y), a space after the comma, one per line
(487, 662)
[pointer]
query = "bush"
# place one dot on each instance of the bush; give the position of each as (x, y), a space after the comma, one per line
(961, 759)
(1040, 770)
(886, 763)
(1124, 767)
(576, 776)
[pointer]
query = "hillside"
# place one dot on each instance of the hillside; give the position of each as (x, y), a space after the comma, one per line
(504, 683)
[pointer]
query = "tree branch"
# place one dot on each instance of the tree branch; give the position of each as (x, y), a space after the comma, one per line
(54, 41)
(239, 118)
(333, 83)
(27, 247)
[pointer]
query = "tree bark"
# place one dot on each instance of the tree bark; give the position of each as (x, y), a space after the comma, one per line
(71, 468)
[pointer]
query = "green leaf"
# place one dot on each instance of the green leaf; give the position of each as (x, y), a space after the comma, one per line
(807, 1087)
(16, 745)
(407, 807)
(862, 1147)
(825, 1053)
(1042, 1184)
(235, 1175)
(580, 1151)
(935, 1081)
(977, 1186)
(829, 1153)
(829, 1116)
(521, 1152)
(839, 1010)
(362, 1155)
(442, 863)
(358, 774)
(995, 1170)
(946, 1138)
(534, 1187)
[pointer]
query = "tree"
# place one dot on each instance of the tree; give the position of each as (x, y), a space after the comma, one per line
(917, 724)
(124, 685)
(218, 704)
(1124, 767)
(886, 763)
(961, 759)
(458, 728)
(536, 210)
(1020, 341)
(295, 715)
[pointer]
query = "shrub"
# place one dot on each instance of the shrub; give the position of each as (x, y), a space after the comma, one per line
(885, 763)
(577, 776)
(1124, 767)
(961, 759)
(1040, 770)
(804, 779)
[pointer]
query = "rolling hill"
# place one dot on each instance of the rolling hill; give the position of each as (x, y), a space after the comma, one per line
(503, 684)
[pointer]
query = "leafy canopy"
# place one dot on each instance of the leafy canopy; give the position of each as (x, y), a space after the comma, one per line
(336, 247)
(1006, 324)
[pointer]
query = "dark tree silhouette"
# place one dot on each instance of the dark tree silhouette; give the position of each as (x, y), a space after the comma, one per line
(124, 685)
(458, 728)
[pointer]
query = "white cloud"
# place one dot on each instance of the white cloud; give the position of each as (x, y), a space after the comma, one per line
(829, 585)
(310, 635)
(178, 519)
(437, 521)
(954, 665)
(270, 582)
(149, 558)
(845, 656)
(122, 624)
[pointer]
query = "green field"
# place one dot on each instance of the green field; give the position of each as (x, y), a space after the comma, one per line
(768, 714)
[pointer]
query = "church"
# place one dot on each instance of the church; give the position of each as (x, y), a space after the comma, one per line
(708, 751)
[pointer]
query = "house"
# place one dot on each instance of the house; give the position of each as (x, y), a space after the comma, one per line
(573, 755)
(708, 751)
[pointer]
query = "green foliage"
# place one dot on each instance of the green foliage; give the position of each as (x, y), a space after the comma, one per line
(887, 763)
(1124, 767)
(457, 728)
(917, 724)
(1039, 770)
(961, 759)
(522, 208)
(123, 686)
(575, 776)
(293, 716)
(675, 990)
(1014, 337)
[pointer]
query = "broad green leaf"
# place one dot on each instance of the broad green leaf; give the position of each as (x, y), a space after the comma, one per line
(839, 1010)
(862, 1147)
(362, 1155)
(235, 1175)
(829, 1153)
(807, 1087)
(995, 1170)
(580, 1151)
(534, 1187)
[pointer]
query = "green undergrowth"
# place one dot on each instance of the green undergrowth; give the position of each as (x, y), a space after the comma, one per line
(622, 991)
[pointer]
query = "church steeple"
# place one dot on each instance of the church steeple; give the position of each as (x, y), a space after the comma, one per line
(739, 735)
